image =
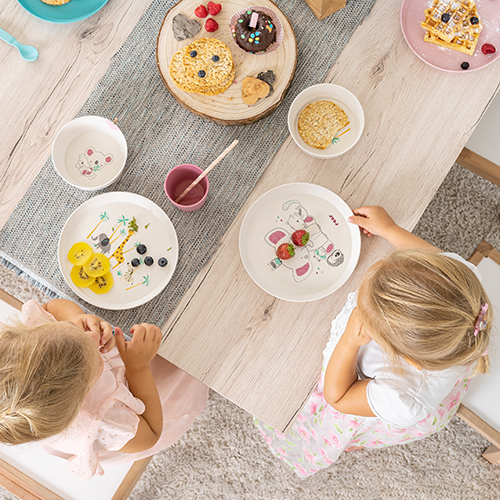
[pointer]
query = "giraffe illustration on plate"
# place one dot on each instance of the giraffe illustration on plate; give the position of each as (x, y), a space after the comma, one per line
(118, 253)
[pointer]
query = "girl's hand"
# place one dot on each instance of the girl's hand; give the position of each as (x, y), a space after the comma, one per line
(372, 220)
(91, 323)
(356, 334)
(138, 353)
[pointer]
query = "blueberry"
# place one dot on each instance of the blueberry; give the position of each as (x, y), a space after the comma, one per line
(215, 58)
(135, 262)
(105, 242)
(201, 74)
(141, 249)
(474, 20)
(445, 18)
(149, 261)
(193, 53)
(162, 262)
(465, 65)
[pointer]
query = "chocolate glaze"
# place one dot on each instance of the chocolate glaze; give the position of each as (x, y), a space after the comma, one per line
(263, 35)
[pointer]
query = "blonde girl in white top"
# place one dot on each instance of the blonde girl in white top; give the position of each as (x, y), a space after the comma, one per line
(400, 356)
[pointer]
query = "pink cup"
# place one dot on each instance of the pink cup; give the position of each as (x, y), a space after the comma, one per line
(178, 179)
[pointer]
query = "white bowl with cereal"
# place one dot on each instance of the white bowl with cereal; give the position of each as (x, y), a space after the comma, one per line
(326, 120)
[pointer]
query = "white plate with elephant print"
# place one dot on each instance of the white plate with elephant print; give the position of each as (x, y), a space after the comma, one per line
(317, 269)
(119, 225)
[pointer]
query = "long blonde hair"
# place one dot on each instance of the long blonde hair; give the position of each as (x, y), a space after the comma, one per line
(424, 306)
(45, 373)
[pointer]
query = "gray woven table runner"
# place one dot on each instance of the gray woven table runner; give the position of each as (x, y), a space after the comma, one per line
(161, 134)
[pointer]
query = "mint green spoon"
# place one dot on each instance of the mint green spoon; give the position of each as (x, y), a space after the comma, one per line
(28, 53)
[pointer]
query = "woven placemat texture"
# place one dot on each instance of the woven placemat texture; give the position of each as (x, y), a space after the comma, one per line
(161, 134)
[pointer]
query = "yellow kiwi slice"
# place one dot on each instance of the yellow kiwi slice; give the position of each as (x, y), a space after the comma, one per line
(102, 284)
(98, 265)
(80, 253)
(80, 278)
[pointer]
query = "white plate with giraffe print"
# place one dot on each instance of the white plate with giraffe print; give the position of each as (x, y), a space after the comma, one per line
(316, 269)
(117, 224)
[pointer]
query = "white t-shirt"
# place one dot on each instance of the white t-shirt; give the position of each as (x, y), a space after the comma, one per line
(400, 400)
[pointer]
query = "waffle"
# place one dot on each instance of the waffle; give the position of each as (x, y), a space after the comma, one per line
(458, 11)
(466, 35)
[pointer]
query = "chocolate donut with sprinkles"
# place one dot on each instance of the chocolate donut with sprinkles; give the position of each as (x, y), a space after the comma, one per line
(254, 35)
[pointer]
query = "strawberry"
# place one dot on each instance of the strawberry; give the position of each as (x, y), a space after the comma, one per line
(214, 8)
(201, 11)
(300, 237)
(211, 25)
(285, 251)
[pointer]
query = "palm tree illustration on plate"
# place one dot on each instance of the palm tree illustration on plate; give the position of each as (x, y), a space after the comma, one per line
(103, 217)
(145, 282)
(123, 221)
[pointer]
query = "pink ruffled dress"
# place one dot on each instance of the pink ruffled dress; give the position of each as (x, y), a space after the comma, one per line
(109, 418)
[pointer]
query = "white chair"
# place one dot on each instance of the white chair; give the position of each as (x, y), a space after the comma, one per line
(32, 474)
(481, 406)
(481, 154)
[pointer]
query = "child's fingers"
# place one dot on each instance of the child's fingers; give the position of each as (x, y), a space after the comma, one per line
(358, 220)
(362, 211)
(92, 323)
(147, 330)
(107, 339)
(121, 343)
(106, 332)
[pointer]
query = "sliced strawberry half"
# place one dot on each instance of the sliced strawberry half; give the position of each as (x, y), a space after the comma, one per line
(300, 237)
(211, 25)
(201, 11)
(285, 251)
(214, 8)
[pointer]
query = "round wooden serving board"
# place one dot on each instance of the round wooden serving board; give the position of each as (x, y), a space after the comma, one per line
(228, 108)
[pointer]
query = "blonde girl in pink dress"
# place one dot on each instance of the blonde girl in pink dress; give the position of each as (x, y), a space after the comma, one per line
(87, 396)
(400, 356)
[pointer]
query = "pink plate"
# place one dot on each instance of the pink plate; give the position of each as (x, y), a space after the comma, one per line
(412, 13)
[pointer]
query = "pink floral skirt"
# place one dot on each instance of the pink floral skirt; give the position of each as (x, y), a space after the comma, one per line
(321, 433)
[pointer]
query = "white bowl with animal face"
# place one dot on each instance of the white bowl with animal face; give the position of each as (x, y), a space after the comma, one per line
(89, 152)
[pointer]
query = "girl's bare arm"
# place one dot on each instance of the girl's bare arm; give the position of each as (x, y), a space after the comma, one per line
(342, 388)
(376, 221)
(137, 356)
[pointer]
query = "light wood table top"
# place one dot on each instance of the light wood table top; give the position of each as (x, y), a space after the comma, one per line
(262, 353)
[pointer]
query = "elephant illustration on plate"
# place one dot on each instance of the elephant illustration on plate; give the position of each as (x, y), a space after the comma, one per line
(102, 243)
(299, 264)
(319, 245)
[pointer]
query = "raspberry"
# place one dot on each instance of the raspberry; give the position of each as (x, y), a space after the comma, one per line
(201, 11)
(487, 48)
(211, 25)
(214, 8)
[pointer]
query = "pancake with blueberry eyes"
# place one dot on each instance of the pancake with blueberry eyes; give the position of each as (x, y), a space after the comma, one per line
(204, 67)
(177, 75)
